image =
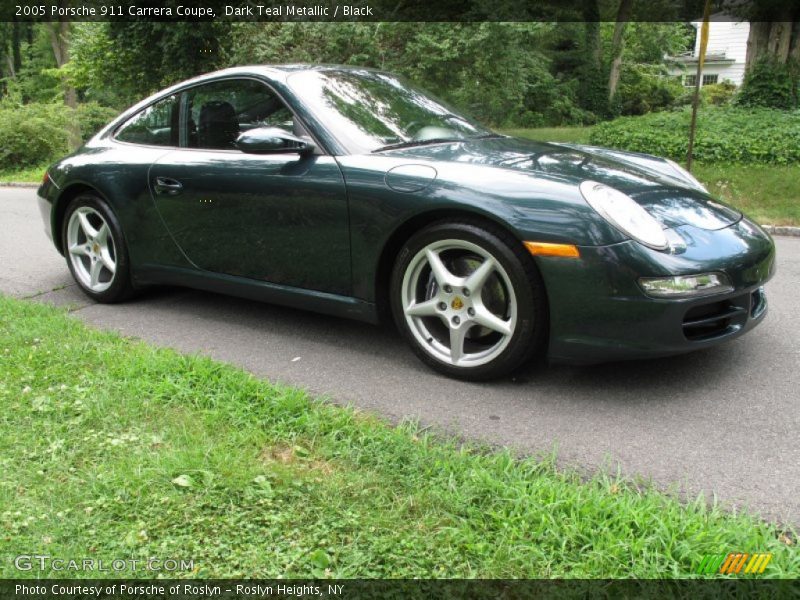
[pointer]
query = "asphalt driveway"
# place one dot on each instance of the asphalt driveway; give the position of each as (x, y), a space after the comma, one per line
(723, 421)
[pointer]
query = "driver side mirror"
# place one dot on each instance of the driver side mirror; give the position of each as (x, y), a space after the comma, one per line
(272, 140)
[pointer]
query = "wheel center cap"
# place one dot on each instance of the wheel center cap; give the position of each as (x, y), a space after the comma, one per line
(457, 303)
(96, 248)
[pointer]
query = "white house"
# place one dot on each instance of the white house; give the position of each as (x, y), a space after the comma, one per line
(725, 56)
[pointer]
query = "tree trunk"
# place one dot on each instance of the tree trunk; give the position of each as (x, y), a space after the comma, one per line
(591, 17)
(617, 45)
(794, 51)
(16, 52)
(757, 42)
(780, 36)
(59, 40)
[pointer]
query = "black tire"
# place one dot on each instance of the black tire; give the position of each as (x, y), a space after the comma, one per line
(529, 334)
(121, 286)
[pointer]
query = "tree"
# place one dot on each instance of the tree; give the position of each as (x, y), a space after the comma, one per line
(16, 54)
(617, 45)
(779, 39)
(772, 65)
(161, 53)
(59, 40)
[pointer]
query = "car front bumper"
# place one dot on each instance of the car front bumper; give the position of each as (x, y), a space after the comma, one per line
(44, 209)
(599, 313)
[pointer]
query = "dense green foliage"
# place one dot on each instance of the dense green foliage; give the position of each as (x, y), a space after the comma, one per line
(118, 63)
(717, 94)
(139, 452)
(770, 84)
(33, 134)
(725, 134)
(502, 73)
(644, 89)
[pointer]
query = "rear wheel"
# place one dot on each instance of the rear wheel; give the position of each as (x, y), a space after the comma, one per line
(95, 249)
(469, 300)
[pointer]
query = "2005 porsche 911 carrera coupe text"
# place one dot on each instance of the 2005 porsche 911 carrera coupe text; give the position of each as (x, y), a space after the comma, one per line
(348, 191)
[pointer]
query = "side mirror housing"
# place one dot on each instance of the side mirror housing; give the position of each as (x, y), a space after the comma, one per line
(272, 140)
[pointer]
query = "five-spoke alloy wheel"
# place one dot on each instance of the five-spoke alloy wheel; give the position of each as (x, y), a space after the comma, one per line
(469, 300)
(95, 249)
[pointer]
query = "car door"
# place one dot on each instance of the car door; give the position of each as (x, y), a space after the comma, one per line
(280, 218)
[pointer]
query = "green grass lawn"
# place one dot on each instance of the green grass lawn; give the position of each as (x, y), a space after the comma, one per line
(24, 175)
(575, 135)
(110, 448)
(769, 194)
(766, 193)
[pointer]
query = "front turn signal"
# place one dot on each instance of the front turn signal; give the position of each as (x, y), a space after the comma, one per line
(548, 249)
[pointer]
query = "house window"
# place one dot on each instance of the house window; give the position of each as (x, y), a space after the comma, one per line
(710, 79)
(690, 80)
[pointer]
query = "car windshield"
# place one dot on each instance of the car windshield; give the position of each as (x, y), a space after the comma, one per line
(369, 111)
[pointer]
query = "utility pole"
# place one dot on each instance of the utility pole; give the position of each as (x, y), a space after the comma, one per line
(699, 78)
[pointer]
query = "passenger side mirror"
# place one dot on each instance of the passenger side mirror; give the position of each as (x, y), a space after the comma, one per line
(272, 140)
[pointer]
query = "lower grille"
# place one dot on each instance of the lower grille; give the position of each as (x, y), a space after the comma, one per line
(716, 319)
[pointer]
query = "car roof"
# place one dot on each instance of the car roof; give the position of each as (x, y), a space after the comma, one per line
(280, 71)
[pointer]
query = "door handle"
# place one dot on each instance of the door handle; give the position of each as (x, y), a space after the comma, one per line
(166, 185)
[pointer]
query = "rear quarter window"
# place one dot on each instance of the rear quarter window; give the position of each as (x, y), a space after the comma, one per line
(156, 125)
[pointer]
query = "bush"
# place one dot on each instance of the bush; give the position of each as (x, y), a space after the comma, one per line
(725, 134)
(769, 84)
(643, 89)
(718, 94)
(34, 134)
(713, 94)
(92, 117)
(31, 135)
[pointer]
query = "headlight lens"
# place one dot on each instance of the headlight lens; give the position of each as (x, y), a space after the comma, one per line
(625, 214)
(685, 286)
(684, 174)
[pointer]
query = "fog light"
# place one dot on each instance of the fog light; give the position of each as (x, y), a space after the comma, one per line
(686, 286)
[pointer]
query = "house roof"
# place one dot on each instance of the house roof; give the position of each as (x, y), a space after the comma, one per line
(711, 57)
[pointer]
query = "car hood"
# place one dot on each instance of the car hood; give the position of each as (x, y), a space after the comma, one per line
(650, 181)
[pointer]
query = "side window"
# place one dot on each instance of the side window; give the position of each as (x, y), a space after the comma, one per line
(156, 125)
(216, 113)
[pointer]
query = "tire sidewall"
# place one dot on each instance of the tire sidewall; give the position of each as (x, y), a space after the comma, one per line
(528, 336)
(121, 286)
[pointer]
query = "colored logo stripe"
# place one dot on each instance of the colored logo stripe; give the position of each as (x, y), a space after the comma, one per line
(733, 563)
(758, 563)
(710, 563)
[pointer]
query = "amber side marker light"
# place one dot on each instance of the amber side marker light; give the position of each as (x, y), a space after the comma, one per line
(547, 249)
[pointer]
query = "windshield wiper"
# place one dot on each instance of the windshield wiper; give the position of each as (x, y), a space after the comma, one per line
(411, 143)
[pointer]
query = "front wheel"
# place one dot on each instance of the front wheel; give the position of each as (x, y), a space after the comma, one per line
(95, 250)
(469, 300)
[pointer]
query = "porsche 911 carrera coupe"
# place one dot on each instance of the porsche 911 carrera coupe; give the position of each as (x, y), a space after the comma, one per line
(348, 191)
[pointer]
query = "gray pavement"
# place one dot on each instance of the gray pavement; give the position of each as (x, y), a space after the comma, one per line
(723, 421)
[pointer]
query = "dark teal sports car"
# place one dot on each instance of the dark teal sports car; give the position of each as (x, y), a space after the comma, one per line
(348, 191)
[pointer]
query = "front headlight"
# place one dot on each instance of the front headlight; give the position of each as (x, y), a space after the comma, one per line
(686, 286)
(625, 214)
(686, 176)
